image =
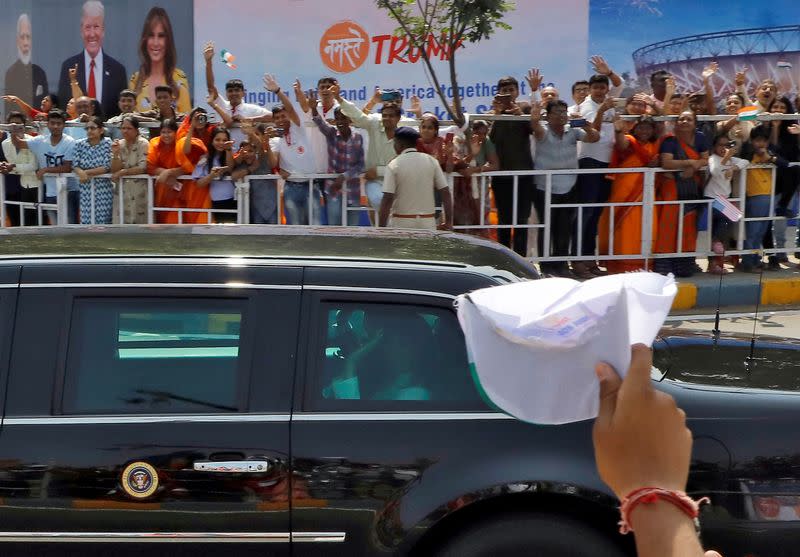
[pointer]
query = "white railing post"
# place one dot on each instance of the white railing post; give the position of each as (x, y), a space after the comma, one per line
(3, 200)
(648, 211)
(92, 218)
(242, 198)
(150, 199)
(62, 202)
(343, 197)
(120, 187)
(742, 205)
(514, 203)
(548, 189)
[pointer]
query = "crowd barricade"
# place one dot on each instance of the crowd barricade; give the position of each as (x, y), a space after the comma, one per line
(48, 213)
(649, 205)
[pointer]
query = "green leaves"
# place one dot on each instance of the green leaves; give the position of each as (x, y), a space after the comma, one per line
(455, 23)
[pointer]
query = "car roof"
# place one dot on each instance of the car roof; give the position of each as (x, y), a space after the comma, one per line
(262, 242)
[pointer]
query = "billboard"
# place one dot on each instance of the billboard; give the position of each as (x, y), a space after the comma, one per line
(639, 37)
(355, 42)
(32, 63)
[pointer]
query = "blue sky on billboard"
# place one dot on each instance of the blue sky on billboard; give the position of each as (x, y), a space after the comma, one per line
(618, 27)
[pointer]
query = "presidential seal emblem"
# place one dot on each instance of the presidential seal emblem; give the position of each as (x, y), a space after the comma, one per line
(139, 480)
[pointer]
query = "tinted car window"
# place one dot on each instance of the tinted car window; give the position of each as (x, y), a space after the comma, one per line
(154, 356)
(389, 356)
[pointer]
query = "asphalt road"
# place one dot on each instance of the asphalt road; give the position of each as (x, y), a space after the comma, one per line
(781, 323)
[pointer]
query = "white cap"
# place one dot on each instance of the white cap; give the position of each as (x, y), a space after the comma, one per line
(533, 345)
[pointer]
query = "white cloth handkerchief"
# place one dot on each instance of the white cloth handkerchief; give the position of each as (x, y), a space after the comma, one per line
(533, 345)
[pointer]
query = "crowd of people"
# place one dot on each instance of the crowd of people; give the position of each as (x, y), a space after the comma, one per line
(150, 127)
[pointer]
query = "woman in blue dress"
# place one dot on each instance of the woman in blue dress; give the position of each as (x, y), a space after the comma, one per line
(92, 157)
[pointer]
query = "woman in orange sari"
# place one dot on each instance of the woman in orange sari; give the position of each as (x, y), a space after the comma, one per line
(168, 159)
(636, 149)
(686, 152)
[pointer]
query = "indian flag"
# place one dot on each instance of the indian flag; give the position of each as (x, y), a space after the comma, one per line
(748, 113)
(784, 64)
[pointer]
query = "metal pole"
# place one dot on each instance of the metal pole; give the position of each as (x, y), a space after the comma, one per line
(648, 211)
(121, 197)
(742, 206)
(515, 201)
(548, 188)
(310, 200)
(343, 194)
(150, 200)
(3, 200)
(92, 192)
(62, 205)
(481, 218)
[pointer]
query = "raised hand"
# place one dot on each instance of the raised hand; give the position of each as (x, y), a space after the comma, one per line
(795, 129)
(600, 65)
(376, 96)
(608, 104)
(208, 51)
(298, 89)
(710, 70)
(416, 104)
(313, 99)
(640, 435)
(270, 84)
(115, 146)
(741, 76)
(534, 79)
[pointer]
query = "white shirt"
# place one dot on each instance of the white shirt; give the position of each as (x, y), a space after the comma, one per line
(294, 150)
(98, 72)
(602, 149)
(245, 110)
(718, 184)
(318, 142)
(24, 161)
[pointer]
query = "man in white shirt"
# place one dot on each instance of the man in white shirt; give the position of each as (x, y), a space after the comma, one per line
(408, 187)
(580, 90)
(295, 156)
(234, 107)
(594, 188)
(22, 164)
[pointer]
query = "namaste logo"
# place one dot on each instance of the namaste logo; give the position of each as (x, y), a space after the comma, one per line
(344, 46)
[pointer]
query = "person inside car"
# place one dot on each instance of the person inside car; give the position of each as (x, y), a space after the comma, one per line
(384, 366)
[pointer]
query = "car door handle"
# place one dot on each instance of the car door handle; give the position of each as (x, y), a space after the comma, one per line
(232, 466)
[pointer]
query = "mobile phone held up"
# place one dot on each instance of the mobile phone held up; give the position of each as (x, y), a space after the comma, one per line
(448, 138)
(390, 96)
(577, 123)
(503, 101)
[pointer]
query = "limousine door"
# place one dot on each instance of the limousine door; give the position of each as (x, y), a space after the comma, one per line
(146, 412)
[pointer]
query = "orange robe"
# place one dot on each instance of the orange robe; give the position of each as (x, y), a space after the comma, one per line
(627, 188)
(189, 195)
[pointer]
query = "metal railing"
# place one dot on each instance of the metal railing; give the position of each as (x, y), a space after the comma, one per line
(648, 204)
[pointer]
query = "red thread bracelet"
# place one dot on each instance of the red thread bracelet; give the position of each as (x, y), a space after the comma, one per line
(649, 495)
